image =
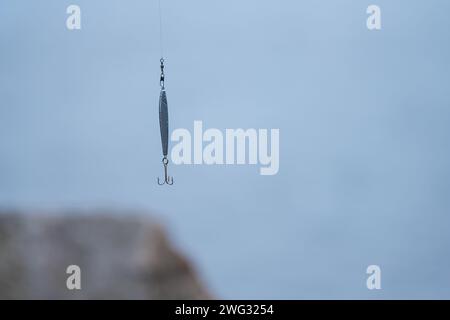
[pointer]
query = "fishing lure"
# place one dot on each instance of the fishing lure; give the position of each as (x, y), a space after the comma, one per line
(164, 126)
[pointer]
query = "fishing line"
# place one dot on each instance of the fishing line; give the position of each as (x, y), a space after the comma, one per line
(160, 29)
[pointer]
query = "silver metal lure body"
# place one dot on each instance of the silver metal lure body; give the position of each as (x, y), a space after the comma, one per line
(164, 122)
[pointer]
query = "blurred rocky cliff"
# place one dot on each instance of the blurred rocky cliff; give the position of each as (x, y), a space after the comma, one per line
(121, 256)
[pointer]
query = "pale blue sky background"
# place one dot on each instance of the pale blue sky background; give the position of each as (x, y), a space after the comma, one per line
(364, 159)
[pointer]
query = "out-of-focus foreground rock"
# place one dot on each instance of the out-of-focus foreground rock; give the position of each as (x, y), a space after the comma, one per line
(121, 256)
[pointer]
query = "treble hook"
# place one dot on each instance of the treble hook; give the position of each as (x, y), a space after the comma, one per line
(167, 180)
